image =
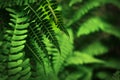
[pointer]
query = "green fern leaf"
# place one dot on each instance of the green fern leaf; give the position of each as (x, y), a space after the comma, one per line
(91, 25)
(54, 14)
(14, 54)
(95, 48)
(40, 17)
(88, 6)
(82, 58)
(83, 11)
(34, 49)
(66, 46)
(35, 34)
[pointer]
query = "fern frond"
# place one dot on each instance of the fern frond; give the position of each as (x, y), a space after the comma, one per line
(95, 48)
(14, 65)
(52, 50)
(40, 17)
(95, 24)
(37, 59)
(88, 6)
(34, 50)
(41, 65)
(91, 25)
(58, 60)
(82, 58)
(50, 34)
(51, 8)
(37, 36)
(112, 30)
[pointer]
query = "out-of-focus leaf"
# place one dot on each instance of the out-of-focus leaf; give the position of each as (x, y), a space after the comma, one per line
(72, 2)
(95, 48)
(82, 58)
(113, 63)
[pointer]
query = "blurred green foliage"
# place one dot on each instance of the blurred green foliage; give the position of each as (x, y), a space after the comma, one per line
(94, 29)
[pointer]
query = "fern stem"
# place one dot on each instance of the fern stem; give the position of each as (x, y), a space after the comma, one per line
(33, 53)
(52, 11)
(42, 63)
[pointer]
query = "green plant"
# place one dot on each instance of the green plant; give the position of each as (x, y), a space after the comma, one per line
(32, 46)
(94, 26)
(24, 26)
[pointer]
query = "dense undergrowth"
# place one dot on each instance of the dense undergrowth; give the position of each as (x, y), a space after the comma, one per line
(59, 39)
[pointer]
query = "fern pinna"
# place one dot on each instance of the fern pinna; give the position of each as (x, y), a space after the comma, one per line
(23, 31)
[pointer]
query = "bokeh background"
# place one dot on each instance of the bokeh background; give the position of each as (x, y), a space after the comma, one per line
(94, 27)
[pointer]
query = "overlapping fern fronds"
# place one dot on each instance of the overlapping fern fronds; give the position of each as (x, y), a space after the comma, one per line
(90, 25)
(29, 22)
(89, 6)
(41, 19)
